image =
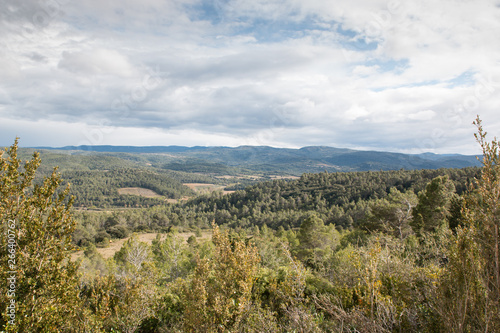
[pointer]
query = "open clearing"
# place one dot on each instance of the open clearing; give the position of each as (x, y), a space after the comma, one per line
(116, 244)
(284, 177)
(143, 192)
(174, 201)
(201, 188)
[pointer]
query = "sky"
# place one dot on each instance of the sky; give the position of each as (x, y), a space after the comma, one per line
(386, 75)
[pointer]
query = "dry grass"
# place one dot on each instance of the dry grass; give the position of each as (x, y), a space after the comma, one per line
(116, 245)
(284, 177)
(174, 201)
(201, 188)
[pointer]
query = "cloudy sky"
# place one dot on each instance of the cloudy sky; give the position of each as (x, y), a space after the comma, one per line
(405, 76)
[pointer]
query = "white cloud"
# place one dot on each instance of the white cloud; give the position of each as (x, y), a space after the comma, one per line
(379, 74)
(356, 112)
(422, 115)
(362, 70)
(96, 62)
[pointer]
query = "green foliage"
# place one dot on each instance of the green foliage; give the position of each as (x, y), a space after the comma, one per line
(342, 199)
(118, 231)
(461, 299)
(316, 241)
(219, 293)
(117, 303)
(92, 263)
(378, 287)
(274, 161)
(391, 215)
(342, 252)
(432, 210)
(133, 255)
(36, 233)
(470, 289)
(200, 166)
(171, 257)
(134, 302)
(99, 188)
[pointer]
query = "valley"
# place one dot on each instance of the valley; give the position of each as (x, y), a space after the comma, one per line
(170, 233)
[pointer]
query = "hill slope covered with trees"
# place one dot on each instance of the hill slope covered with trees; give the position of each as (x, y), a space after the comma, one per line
(396, 251)
(252, 159)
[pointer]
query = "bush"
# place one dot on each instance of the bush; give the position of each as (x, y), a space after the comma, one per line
(118, 231)
(102, 238)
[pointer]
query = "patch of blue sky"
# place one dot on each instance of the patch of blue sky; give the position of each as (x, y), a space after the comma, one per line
(464, 79)
(352, 41)
(409, 85)
(263, 29)
(268, 31)
(395, 66)
(212, 11)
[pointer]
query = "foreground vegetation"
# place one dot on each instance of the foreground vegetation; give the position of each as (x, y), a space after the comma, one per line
(401, 251)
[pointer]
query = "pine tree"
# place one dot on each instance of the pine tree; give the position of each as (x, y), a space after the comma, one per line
(432, 210)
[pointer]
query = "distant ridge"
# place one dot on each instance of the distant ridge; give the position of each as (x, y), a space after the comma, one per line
(127, 149)
(288, 160)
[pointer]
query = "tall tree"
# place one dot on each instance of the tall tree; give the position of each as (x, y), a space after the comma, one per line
(484, 208)
(393, 214)
(219, 293)
(36, 223)
(432, 210)
(316, 240)
(470, 290)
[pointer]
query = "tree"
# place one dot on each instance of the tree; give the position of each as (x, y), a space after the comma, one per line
(470, 288)
(35, 241)
(169, 255)
(484, 208)
(316, 240)
(132, 255)
(432, 210)
(392, 215)
(219, 293)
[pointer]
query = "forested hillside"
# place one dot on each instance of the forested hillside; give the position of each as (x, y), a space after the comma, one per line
(385, 251)
(338, 198)
(100, 188)
(343, 200)
(269, 160)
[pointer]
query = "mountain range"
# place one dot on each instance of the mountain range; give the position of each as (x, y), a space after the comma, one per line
(221, 160)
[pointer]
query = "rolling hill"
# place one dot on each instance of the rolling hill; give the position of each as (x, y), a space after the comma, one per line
(264, 159)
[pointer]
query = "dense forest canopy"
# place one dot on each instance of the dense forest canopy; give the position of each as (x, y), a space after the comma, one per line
(100, 188)
(341, 199)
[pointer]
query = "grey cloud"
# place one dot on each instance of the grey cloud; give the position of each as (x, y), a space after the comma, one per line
(219, 79)
(97, 61)
(37, 57)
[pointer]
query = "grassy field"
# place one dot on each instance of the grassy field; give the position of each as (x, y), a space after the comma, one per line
(116, 244)
(201, 188)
